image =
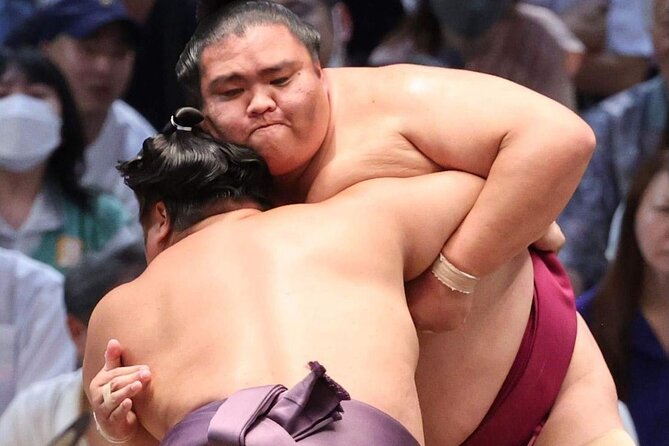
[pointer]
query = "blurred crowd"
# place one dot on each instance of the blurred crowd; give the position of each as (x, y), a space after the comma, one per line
(86, 81)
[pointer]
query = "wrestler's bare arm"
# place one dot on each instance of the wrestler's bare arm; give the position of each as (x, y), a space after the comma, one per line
(586, 410)
(411, 211)
(422, 220)
(102, 365)
(531, 149)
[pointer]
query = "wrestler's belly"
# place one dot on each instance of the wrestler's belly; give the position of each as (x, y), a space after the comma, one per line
(460, 373)
(372, 357)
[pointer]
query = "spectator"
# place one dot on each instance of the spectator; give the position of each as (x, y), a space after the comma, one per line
(629, 127)
(332, 19)
(617, 36)
(33, 337)
(92, 42)
(57, 408)
(629, 313)
(44, 211)
(493, 37)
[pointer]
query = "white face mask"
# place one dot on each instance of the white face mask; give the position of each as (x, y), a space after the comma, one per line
(29, 132)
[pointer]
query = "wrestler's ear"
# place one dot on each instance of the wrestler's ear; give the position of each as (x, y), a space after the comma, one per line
(157, 230)
(208, 126)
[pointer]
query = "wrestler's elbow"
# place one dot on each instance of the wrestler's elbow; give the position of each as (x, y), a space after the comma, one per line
(583, 140)
(575, 139)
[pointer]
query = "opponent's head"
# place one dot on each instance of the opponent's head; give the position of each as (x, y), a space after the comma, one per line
(182, 176)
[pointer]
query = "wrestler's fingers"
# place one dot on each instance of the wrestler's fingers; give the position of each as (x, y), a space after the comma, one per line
(121, 423)
(120, 414)
(112, 355)
(112, 400)
(118, 378)
(104, 376)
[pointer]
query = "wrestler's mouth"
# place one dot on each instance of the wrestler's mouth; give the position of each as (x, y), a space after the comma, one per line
(266, 126)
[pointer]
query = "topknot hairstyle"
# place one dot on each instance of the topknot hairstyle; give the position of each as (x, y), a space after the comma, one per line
(220, 19)
(193, 174)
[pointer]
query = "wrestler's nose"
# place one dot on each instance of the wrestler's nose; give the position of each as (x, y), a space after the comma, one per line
(261, 102)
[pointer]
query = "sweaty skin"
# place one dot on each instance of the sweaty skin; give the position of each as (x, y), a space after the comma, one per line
(287, 290)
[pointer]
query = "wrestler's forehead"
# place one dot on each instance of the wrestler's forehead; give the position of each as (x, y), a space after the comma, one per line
(259, 47)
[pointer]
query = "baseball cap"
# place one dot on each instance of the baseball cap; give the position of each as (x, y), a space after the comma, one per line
(76, 18)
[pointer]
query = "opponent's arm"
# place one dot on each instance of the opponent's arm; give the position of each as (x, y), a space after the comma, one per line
(103, 366)
(586, 409)
(531, 149)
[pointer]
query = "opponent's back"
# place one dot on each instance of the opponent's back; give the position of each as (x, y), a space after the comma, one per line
(249, 298)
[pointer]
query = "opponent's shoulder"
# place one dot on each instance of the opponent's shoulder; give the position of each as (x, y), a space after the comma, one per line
(116, 303)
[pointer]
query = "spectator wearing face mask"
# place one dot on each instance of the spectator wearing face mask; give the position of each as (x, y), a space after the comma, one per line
(92, 42)
(44, 211)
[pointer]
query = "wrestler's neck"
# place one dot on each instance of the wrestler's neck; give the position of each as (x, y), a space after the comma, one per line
(248, 210)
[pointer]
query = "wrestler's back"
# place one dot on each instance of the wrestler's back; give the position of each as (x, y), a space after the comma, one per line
(258, 299)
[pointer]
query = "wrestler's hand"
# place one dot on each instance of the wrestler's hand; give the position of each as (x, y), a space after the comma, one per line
(552, 240)
(115, 415)
(434, 307)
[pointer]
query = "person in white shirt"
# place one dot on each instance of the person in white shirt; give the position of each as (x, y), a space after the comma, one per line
(34, 344)
(56, 408)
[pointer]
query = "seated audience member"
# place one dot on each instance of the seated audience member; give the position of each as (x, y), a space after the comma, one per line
(33, 336)
(629, 311)
(332, 19)
(195, 194)
(629, 128)
(44, 211)
(55, 410)
(493, 37)
(93, 43)
(618, 41)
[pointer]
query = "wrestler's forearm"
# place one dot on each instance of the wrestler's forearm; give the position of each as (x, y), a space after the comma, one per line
(523, 194)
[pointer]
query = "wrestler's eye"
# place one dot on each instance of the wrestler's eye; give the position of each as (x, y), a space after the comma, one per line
(233, 92)
(280, 81)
